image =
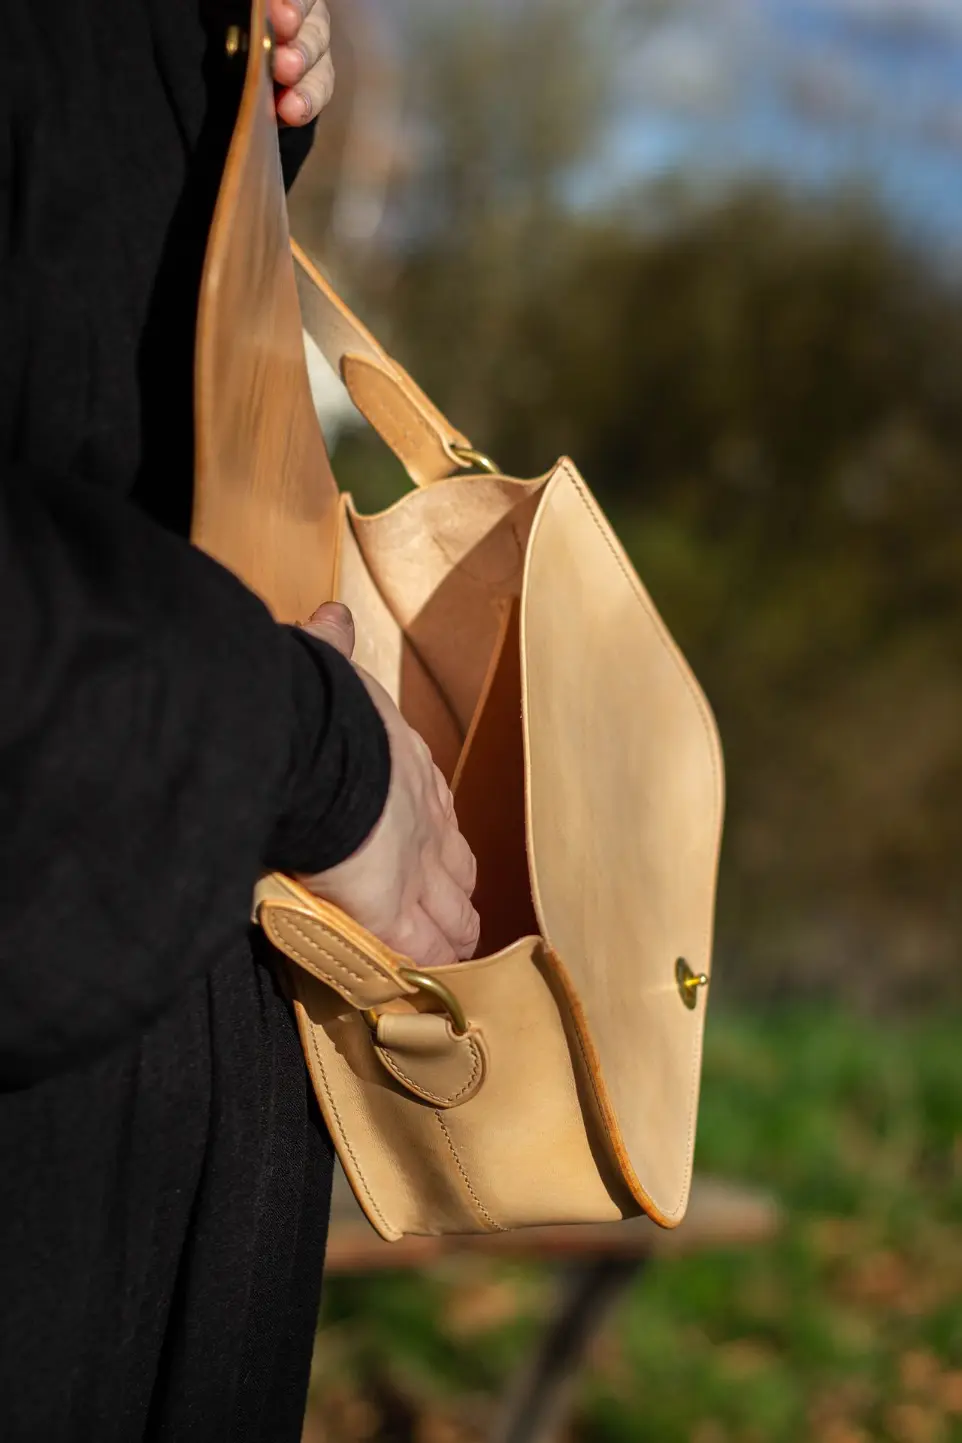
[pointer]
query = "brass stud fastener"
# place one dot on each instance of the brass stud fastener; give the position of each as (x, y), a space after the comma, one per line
(688, 983)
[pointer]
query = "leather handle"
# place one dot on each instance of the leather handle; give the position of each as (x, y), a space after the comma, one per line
(423, 439)
(327, 943)
(422, 1051)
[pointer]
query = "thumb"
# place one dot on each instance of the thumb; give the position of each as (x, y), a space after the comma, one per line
(334, 624)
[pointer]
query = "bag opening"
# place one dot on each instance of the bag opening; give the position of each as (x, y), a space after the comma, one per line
(470, 720)
(494, 825)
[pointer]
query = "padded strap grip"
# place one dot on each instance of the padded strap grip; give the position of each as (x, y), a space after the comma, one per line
(327, 943)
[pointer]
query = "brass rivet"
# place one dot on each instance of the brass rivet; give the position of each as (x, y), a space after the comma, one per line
(236, 40)
(688, 983)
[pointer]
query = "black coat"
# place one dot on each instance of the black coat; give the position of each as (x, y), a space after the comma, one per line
(163, 1172)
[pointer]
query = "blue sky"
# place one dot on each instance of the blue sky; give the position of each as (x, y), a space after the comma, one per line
(820, 92)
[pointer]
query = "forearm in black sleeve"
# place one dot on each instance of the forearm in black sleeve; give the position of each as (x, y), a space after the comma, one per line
(160, 739)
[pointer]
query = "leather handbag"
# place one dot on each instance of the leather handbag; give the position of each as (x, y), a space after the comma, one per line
(554, 1078)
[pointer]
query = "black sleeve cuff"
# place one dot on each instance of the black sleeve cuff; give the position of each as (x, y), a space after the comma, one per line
(340, 765)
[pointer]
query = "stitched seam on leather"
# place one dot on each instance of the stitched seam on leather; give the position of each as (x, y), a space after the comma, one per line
(421, 1090)
(354, 950)
(311, 965)
(340, 1126)
(482, 1210)
(599, 1099)
(312, 942)
(700, 703)
(335, 961)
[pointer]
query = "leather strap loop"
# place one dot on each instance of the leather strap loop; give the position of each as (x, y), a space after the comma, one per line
(421, 1050)
(325, 942)
(409, 423)
(427, 1057)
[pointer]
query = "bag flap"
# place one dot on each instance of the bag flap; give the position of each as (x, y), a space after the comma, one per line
(625, 799)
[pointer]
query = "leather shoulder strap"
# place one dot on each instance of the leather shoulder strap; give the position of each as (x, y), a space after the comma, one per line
(424, 441)
(265, 499)
(328, 944)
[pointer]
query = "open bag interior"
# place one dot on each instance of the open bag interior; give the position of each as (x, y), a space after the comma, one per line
(585, 765)
(445, 642)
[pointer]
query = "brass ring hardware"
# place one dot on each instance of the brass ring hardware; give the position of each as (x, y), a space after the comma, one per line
(426, 982)
(688, 983)
(467, 456)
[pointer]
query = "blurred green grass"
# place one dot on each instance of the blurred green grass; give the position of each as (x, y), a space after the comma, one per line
(847, 1328)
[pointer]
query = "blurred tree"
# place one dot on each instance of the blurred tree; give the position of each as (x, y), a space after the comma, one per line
(339, 200)
(769, 398)
(767, 393)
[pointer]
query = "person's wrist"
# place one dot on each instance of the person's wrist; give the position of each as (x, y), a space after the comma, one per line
(339, 768)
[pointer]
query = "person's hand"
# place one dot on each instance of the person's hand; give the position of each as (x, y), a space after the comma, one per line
(411, 881)
(302, 58)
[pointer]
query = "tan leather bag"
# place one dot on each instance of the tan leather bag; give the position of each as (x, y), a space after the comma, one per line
(554, 1078)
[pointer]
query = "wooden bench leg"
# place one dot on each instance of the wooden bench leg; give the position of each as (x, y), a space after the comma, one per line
(540, 1400)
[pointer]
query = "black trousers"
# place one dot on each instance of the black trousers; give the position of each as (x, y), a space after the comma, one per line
(162, 1224)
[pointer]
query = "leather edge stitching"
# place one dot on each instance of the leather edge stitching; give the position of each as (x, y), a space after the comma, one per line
(311, 966)
(312, 942)
(379, 970)
(482, 1210)
(608, 1115)
(337, 1118)
(711, 736)
(388, 1059)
